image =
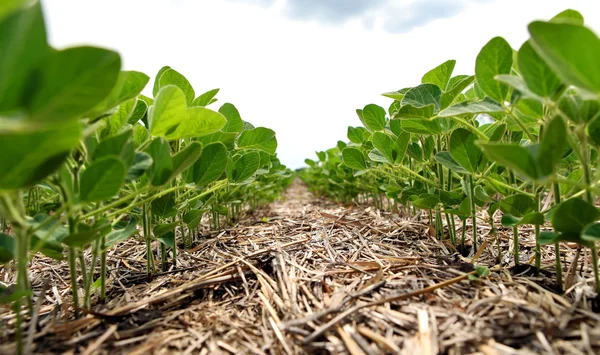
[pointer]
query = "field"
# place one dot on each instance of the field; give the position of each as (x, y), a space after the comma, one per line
(461, 219)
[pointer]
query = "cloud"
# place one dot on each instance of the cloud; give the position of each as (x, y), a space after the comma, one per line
(395, 16)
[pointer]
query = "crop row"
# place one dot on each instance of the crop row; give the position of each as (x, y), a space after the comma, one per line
(87, 160)
(525, 129)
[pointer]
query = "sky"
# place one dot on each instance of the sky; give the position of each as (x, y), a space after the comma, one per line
(299, 67)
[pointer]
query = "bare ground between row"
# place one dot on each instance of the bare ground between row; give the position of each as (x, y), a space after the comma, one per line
(308, 275)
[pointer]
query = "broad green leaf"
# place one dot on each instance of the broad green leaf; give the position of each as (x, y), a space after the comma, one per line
(517, 205)
(102, 179)
(120, 235)
(354, 158)
(185, 158)
(167, 239)
(140, 134)
(117, 120)
(234, 120)
(385, 144)
(192, 218)
(139, 111)
(481, 194)
(446, 159)
(423, 95)
(246, 166)
(227, 138)
(206, 98)
(129, 84)
(141, 163)
(464, 150)
(572, 51)
(440, 75)
(30, 152)
(7, 248)
(472, 108)
(199, 121)
(514, 157)
(82, 238)
(552, 145)
(72, 82)
(259, 138)
(401, 146)
(396, 95)
(517, 82)
(495, 58)
(120, 145)
(569, 16)
(426, 201)
(421, 126)
(538, 76)
(593, 130)
(164, 206)
(22, 47)
(414, 151)
(156, 87)
(496, 131)
(454, 91)
(356, 134)
(373, 117)
(173, 77)
(162, 164)
(573, 215)
(162, 229)
(210, 166)
(590, 233)
(409, 111)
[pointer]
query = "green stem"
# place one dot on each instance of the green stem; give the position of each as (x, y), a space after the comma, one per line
(73, 275)
(557, 261)
(473, 211)
(516, 244)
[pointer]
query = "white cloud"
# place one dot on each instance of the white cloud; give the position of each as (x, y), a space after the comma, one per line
(303, 78)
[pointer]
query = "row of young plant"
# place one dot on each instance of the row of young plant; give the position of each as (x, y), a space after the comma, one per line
(87, 161)
(434, 151)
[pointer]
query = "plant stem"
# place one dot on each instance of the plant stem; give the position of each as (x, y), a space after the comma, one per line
(557, 261)
(516, 244)
(473, 211)
(73, 274)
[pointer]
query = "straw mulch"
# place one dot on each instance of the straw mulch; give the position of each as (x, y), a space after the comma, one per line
(308, 275)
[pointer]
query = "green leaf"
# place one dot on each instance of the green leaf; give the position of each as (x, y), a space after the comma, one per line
(140, 134)
(552, 146)
(538, 76)
(167, 239)
(409, 111)
(227, 138)
(514, 157)
(421, 126)
(454, 91)
(23, 46)
(206, 98)
(259, 138)
(7, 248)
(30, 152)
(356, 134)
(185, 158)
(481, 194)
(82, 238)
(102, 179)
(156, 86)
(72, 82)
(573, 215)
(517, 205)
(161, 229)
(210, 166)
(495, 58)
(117, 120)
(354, 158)
(440, 75)
(401, 146)
(423, 95)
(590, 233)
(139, 111)
(593, 130)
(129, 84)
(472, 108)
(373, 117)
(173, 77)
(192, 218)
(464, 150)
(569, 16)
(517, 82)
(445, 158)
(245, 167)
(572, 51)
(164, 206)
(234, 120)
(121, 146)
(426, 201)
(162, 164)
(385, 144)
(496, 131)
(141, 163)
(120, 235)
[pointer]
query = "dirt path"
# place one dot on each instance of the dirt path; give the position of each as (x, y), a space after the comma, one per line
(311, 276)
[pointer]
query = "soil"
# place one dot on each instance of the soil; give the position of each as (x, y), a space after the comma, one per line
(309, 275)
